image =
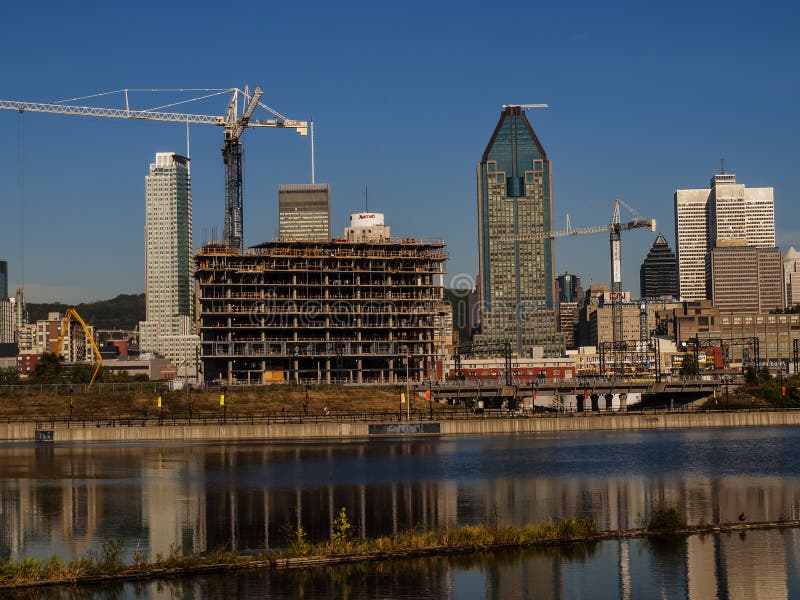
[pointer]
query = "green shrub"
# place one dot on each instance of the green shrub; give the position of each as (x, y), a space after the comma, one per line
(666, 518)
(342, 528)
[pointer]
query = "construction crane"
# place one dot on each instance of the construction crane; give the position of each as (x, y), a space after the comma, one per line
(68, 316)
(234, 123)
(615, 228)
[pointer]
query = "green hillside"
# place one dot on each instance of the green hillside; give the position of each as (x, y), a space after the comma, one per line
(123, 312)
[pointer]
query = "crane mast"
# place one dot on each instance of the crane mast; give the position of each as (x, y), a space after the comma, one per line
(614, 229)
(234, 126)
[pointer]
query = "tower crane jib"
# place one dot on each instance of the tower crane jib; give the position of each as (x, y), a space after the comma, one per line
(233, 123)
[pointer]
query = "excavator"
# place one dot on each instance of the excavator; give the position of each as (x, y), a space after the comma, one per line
(68, 316)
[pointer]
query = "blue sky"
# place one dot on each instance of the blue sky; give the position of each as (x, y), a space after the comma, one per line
(644, 98)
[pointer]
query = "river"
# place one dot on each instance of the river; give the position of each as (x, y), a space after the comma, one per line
(68, 499)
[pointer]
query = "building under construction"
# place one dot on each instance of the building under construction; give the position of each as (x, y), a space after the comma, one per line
(327, 311)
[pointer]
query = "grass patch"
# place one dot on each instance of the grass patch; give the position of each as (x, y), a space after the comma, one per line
(108, 561)
(666, 518)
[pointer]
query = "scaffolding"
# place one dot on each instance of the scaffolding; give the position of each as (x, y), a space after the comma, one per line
(322, 312)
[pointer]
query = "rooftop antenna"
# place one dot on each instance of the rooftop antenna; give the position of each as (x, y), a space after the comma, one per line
(722, 166)
(313, 175)
(366, 198)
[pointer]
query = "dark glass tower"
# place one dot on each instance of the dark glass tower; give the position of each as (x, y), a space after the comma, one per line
(515, 208)
(3, 280)
(658, 275)
(569, 288)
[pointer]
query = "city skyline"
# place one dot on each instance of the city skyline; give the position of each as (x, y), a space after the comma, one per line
(638, 84)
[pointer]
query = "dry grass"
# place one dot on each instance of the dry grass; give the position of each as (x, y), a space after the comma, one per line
(108, 562)
(243, 401)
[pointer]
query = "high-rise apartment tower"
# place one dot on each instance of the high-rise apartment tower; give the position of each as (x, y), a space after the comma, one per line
(515, 203)
(169, 285)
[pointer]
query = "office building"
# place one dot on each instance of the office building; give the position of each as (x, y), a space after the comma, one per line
(325, 311)
(776, 332)
(791, 276)
(20, 313)
(744, 278)
(3, 280)
(568, 323)
(595, 322)
(304, 212)
(704, 217)
(658, 275)
(169, 286)
(569, 288)
(515, 209)
(459, 300)
(6, 321)
(367, 227)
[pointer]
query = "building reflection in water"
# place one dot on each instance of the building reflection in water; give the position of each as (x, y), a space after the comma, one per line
(199, 497)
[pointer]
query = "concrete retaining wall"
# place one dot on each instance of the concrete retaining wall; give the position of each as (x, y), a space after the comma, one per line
(616, 421)
(169, 433)
(25, 432)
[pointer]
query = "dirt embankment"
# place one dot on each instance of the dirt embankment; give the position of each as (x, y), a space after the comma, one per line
(267, 400)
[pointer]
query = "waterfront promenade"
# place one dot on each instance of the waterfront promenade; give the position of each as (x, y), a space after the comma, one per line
(366, 425)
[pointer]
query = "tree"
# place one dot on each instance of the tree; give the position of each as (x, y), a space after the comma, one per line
(689, 366)
(9, 376)
(48, 369)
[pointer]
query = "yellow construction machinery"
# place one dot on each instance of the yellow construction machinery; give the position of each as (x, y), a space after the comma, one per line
(68, 316)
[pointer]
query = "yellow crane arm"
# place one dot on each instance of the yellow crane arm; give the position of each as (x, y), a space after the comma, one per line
(68, 316)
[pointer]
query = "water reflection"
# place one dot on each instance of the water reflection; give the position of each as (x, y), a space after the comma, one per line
(761, 564)
(198, 497)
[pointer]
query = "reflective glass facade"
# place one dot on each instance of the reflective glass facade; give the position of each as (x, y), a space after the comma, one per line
(515, 208)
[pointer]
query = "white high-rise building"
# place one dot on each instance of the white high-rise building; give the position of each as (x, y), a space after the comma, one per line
(726, 211)
(791, 276)
(691, 245)
(169, 286)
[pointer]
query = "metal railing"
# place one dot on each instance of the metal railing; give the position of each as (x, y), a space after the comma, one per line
(300, 418)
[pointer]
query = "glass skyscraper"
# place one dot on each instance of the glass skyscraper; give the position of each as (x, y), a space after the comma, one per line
(658, 275)
(515, 209)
